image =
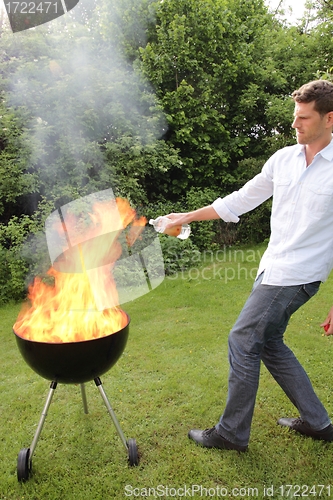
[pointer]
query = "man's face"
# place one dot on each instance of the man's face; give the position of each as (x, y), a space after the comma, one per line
(309, 124)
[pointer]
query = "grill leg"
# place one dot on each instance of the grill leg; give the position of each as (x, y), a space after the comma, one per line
(53, 387)
(98, 383)
(84, 398)
(24, 459)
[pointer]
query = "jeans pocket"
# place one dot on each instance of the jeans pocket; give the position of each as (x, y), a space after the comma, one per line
(302, 294)
(311, 288)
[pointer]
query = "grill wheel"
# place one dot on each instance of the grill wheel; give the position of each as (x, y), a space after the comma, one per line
(133, 456)
(23, 465)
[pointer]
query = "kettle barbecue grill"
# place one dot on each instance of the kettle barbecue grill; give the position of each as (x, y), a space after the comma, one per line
(83, 237)
(73, 363)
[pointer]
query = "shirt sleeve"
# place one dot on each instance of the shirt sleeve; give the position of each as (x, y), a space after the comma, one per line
(251, 195)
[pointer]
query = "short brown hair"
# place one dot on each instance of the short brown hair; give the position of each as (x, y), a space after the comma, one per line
(319, 91)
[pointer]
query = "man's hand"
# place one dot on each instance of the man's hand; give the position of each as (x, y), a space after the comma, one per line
(328, 323)
(178, 219)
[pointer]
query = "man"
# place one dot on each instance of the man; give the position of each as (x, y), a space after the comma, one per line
(298, 258)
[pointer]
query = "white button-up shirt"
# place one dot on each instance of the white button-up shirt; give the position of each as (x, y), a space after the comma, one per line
(300, 249)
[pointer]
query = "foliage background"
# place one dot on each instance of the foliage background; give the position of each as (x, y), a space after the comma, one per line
(170, 103)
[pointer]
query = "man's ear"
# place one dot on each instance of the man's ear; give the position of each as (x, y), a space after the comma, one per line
(329, 118)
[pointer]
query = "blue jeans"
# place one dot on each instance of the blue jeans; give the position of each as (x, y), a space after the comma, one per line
(258, 336)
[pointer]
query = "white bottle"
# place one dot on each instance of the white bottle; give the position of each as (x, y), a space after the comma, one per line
(182, 231)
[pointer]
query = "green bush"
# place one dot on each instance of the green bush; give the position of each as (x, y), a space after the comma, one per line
(13, 269)
(23, 255)
(204, 233)
(178, 254)
(254, 227)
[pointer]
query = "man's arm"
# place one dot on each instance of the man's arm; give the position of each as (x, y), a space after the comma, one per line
(204, 213)
(252, 194)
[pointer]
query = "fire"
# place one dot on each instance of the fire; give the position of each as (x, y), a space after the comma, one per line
(78, 299)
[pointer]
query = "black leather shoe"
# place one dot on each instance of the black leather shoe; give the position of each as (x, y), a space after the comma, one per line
(210, 438)
(298, 425)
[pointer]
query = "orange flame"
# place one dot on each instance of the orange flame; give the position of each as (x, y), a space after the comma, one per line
(64, 307)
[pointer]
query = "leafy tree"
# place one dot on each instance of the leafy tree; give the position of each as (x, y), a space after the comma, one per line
(127, 24)
(209, 63)
(18, 182)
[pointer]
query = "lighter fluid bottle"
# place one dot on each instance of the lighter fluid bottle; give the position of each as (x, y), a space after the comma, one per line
(182, 231)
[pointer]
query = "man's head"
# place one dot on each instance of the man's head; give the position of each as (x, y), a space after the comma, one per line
(313, 116)
(320, 92)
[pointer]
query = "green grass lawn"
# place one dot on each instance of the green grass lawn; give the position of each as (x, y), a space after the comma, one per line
(171, 377)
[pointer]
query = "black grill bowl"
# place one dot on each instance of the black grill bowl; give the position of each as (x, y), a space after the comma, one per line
(74, 362)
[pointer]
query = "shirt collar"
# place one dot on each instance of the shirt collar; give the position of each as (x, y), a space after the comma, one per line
(300, 149)
(326, 153)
